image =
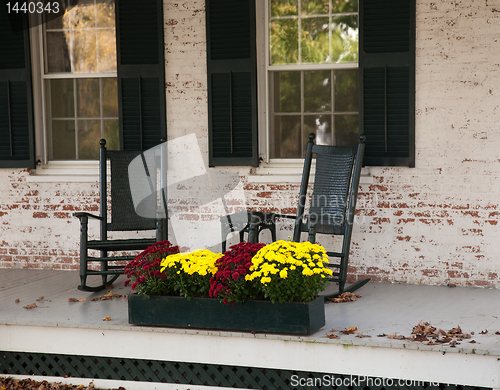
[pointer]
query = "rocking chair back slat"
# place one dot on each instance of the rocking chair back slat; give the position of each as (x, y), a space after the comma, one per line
(123, 213)
(331, 188)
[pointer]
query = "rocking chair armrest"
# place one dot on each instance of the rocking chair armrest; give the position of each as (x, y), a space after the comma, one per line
(285, 216)
(81, 215)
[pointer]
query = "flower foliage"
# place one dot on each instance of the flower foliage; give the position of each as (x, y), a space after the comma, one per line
(290, 271)
(189, 273)
(228, 283)
(144, 271)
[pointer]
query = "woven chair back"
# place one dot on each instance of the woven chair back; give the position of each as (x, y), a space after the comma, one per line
(124, 216)
(334, 168)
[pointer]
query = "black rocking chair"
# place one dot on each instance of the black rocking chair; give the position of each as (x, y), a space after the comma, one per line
(123, 218)
(333, 203)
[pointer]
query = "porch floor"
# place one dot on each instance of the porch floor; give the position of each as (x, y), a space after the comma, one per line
(59, 326)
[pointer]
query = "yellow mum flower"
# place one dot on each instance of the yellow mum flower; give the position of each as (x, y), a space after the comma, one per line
(283, 274)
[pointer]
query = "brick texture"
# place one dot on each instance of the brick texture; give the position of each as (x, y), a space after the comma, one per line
(436, 223)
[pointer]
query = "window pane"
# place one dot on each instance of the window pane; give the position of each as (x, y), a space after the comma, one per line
(315, 7)
(111, 134)
(62, 98)
(106, 13)
(287, 137)
(345, 6)
(284, 7)
(110, 97)
(84, 53)
(286, 91)
(83, 16)
(57, 52)
(284, 45)
(106, 45)
(63, 140)
(89, 134)
(321, 125)
(317, 91)
(346, 90)
(345, 39)
(56, 23)
(346, 130)
(315, 42)
(88, 98)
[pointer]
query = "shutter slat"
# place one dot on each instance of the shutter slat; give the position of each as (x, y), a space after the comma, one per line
(388, 91)
(141, 73)
(16, 112)
(232, 82)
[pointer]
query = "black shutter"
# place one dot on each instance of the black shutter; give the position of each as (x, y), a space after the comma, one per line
(141, 73)
(387, 77)
(232, 82)
(16, 109)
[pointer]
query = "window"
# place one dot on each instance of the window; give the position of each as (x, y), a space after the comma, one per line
(312, 71)
(80, 81)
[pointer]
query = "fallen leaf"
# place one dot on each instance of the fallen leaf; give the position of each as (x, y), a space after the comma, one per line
(420, 337)
(331, 336)
(350, 330)
(472, 341)
(362, 336)
(472, 333)
(108, 318)
(452, 285)
(456, 330)
(431, 343)
(382, 335)
(109, 286)
(95, 299)
(76, 300)
(484, 331)
(346, 297)
(110, 295)
(32, 306)
(396, 337)
(40, 299)
(18, 300)
(453, 343)
(497, 332)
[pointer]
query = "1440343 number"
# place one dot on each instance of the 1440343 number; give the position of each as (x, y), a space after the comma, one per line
(33, 7)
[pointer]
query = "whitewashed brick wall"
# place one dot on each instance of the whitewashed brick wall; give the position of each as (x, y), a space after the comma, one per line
(436, 223)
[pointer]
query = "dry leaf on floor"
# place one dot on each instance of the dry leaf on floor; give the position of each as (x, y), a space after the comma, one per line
(362, 336)
(32, 306)
(484, 331)
(396, 337)
(350, 330)
(108, 318)
(331, 336)
(40, 299)
(345, 297)
(76, 299)
(17, 300)
(110, 295)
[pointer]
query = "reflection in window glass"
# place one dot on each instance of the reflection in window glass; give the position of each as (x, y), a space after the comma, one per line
(313, 74)
(313, 31)
(63, 140)
(80, 81)
(306, 102)
(87, 98)
(89, 134)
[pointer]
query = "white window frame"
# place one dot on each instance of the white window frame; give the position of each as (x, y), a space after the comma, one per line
(274, 169)
(80, 171)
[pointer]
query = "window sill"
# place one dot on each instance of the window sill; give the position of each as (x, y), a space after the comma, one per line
(292, 173)
(65, 172)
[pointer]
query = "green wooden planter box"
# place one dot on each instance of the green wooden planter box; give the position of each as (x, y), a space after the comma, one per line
(209, 313)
